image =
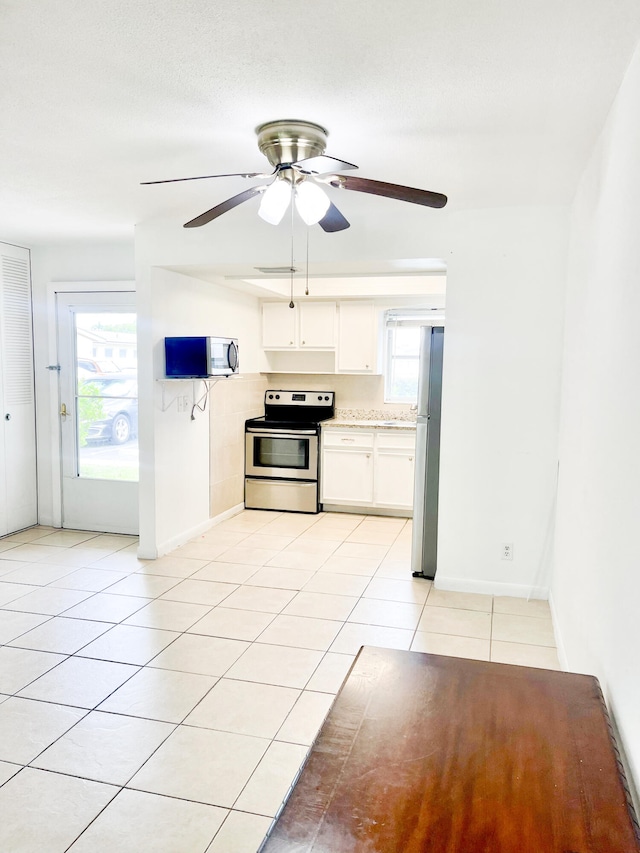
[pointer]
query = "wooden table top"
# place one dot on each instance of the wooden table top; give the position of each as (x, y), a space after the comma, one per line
(430, 754)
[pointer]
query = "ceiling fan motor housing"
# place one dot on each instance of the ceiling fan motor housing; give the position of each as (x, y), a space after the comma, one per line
(290, 140)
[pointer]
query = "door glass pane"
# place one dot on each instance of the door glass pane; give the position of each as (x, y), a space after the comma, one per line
(106, 395)
(281, 452)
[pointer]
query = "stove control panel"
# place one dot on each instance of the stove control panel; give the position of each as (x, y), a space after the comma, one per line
(299, 398)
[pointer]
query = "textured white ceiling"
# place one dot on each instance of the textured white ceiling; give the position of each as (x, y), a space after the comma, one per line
(494, 102)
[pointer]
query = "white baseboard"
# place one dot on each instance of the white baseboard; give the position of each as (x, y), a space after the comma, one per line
(186, 535)
(367, 510)
(228, 513)
(515, 590)
(562, 650)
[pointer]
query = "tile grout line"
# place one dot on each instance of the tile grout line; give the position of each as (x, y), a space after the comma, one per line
(134, 570)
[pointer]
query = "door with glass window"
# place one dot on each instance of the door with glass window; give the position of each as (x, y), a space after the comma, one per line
(98, 411)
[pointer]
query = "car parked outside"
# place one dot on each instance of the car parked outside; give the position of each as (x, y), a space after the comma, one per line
(108, 408)
(89, 366)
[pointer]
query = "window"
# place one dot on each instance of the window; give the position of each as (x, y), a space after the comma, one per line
(122, 353)
(402, 351)
(108, 352)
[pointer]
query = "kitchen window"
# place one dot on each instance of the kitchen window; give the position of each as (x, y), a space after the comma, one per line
(402, 347)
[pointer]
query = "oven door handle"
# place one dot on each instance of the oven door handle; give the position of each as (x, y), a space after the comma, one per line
(276, 433)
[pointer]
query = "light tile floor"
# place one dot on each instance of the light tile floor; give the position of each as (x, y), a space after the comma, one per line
(175, 699)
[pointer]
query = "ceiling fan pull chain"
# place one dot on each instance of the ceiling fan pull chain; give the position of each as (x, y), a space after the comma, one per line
(306, 287)
(291, 303)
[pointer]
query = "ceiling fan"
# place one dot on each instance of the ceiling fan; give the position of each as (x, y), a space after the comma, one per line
(296, 149)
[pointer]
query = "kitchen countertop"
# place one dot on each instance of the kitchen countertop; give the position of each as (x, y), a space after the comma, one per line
(352, 423)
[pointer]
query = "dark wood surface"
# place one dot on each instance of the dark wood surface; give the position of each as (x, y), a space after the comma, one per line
(430, 754)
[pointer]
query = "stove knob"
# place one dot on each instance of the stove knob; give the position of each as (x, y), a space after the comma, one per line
(319, 397)
(271, 396)
(277, 396)
(327, 399)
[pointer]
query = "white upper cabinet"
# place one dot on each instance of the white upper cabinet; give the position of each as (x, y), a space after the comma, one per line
(310, 325)
(279, 326)
(357, 338)
(317, 324)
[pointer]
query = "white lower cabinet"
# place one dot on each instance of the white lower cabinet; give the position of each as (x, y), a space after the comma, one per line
(368, 468)
(347, 467)
(394, 464)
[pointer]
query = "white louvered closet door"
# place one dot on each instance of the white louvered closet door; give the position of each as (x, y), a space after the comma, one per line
(18, 493)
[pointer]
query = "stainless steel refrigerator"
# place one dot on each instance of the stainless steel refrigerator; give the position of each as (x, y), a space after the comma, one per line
(424, 546)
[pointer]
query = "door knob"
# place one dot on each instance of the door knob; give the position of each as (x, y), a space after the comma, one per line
(63, 410)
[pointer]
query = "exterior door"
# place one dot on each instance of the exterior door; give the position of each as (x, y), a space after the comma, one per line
(98, 411)
(18, 488)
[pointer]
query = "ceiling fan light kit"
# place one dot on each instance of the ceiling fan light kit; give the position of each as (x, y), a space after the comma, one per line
(296, 151)
(275, 201)
(312, 202)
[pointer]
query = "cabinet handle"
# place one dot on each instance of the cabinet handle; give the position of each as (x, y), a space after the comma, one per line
(368, 456)
(303, 343)
(290, 343)
(347, 439)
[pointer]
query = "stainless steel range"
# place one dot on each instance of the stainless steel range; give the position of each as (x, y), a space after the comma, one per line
(282, 451)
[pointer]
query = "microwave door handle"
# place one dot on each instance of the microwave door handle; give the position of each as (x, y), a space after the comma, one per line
(232, 356)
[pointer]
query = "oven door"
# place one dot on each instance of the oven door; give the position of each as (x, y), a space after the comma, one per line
(275, 453)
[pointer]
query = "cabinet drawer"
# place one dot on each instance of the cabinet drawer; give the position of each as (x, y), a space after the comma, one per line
(349, 439)
(396, 440)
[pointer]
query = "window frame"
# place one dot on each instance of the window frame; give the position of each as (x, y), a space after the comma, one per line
(394, 319)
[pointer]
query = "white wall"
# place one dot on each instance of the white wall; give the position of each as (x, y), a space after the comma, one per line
(500, 407)
(596, 583)
(62, 263)
(174, 449)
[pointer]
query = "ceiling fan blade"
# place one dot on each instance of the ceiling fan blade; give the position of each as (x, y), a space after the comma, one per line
(223, 207)
(204, 177)
(365, 185)
(322, 164)
(333, 220)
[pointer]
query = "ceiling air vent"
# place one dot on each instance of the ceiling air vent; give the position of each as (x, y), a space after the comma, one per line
(276, 270)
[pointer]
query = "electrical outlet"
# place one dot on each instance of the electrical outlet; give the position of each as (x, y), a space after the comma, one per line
(507, 550)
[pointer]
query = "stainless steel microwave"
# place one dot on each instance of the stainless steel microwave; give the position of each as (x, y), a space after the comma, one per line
(200, 357)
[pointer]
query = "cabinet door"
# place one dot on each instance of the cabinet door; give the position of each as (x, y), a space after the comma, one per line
(394, 479)
(278, 325)
(357, 337)
(347, 476)
(317, 324)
